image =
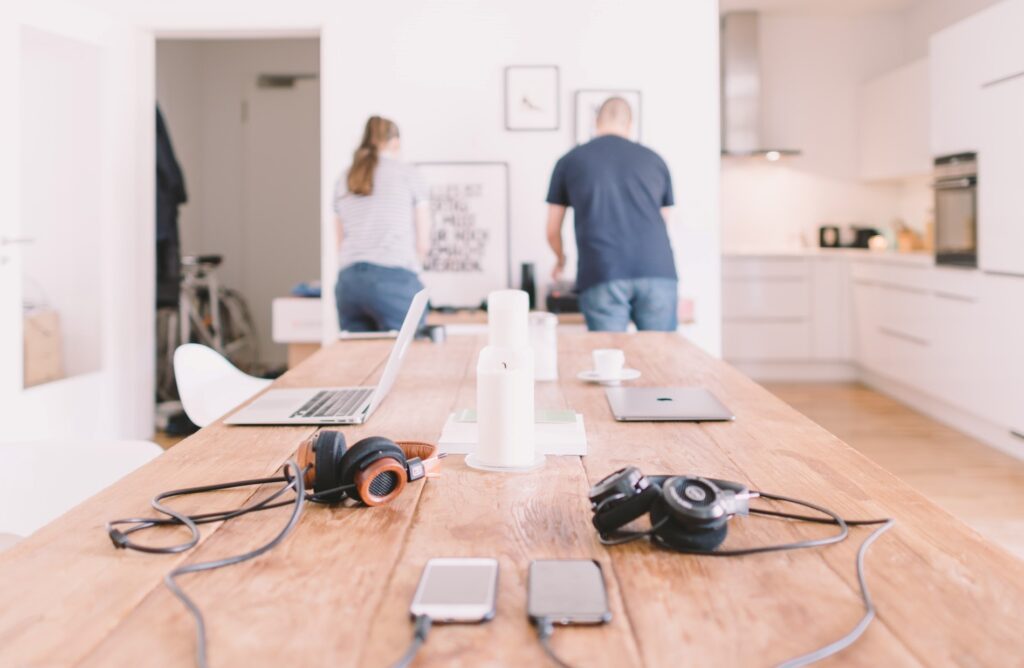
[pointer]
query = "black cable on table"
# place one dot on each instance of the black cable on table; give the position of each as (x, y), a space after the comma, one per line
(419, 637)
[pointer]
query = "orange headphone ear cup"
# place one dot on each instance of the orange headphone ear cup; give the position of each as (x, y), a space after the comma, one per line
(376, 466)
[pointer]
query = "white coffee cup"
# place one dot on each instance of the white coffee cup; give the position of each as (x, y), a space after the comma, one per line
(608, 362)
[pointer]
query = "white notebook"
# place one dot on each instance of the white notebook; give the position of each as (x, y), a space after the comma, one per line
(555, 435)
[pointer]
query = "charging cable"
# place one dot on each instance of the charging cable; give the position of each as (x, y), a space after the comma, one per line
(545, 629)
(423, 624)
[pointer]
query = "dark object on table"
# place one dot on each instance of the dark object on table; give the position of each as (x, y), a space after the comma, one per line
(828, 236)
(307, 289)
(862, 235)
(178, 424)
(528, 284)
(562, 298)
(435, 333)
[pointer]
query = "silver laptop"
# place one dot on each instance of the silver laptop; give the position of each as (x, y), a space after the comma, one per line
(334, 405)
(666, 404)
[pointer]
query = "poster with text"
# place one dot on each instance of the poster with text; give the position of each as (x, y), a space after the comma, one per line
(469, 231)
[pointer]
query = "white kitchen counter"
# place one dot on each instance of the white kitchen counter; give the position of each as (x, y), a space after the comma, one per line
(923, 258)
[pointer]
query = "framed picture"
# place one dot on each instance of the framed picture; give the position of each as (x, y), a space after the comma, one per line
(469, 232)
(588, 102)
(532, 97)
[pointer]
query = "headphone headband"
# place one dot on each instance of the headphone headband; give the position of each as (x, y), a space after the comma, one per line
(422, 458)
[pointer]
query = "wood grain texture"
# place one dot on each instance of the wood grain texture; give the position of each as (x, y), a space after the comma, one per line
(337, 591)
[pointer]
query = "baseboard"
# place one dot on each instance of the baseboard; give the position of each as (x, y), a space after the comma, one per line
(983, 430)
(799, 372)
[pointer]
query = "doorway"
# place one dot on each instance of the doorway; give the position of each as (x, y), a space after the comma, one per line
(243, 117)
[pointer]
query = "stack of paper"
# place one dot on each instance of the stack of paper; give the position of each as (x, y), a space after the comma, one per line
(558, 433)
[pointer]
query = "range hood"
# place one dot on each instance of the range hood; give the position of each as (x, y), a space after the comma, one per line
(742, 125)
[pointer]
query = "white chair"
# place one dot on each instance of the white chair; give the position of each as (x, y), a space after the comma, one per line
(41, 480)
(209, 385)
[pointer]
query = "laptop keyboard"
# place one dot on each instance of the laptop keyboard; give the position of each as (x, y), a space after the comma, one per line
(335, 403)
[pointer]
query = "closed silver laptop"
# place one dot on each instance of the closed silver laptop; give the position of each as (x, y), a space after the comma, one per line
(666, 404)
(334, 405)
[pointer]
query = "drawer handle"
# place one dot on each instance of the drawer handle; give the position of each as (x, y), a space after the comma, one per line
(902, 288)
(906, 337)
(955, 298)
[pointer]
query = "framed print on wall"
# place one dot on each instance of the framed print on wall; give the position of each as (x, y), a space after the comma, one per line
(588, 102)
(469, 232)
(532, 97)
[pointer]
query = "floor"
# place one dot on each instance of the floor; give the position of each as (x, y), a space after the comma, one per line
(981, 486)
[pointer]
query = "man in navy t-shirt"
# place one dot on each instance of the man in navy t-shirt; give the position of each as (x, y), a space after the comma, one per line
(620, 192)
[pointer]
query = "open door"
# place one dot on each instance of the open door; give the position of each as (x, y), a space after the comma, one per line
(76, 225)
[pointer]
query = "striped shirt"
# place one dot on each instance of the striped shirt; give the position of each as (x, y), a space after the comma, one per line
(380, 228)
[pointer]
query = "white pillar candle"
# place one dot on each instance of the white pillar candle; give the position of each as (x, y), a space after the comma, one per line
(504, 407)
(507, 312)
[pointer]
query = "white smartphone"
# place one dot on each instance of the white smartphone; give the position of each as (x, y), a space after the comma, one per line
(567, 591)
(457, 589)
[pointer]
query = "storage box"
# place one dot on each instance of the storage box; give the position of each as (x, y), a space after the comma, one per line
(43, 357)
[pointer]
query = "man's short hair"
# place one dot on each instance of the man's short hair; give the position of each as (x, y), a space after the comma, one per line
(615, 110)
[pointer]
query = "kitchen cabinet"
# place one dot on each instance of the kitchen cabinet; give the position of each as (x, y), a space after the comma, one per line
(894, 124)
(955, 86)
(1001, 177)
(1002, 346)
(765, 308)
(982, 48)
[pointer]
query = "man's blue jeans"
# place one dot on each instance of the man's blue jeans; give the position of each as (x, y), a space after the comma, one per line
(372, 298)
(649, 302)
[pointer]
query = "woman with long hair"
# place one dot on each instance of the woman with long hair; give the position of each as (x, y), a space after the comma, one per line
(383, 220)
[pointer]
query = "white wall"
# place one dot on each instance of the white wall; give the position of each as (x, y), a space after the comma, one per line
(437, 69)
(251, 159)
(812, 68)
(927, 17)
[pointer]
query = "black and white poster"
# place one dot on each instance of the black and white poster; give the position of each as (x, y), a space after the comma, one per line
(469, 232)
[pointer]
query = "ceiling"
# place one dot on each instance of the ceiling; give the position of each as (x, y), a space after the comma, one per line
(818, 7)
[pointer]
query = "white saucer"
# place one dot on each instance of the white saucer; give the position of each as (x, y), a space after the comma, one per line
(592, 377)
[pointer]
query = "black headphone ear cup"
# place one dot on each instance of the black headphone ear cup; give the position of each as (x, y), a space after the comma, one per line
(675, 536)
(364, 453)
(329, 448)
(622, 514)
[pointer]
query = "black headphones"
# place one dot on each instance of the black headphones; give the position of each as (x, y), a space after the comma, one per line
(691, 514)
(688, 513)
(373, 471)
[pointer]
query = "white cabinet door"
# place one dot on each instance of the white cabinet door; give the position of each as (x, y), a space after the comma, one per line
(1000, 339)
(1001, 178)
(894, 123)
(76, 226)
(955, 84)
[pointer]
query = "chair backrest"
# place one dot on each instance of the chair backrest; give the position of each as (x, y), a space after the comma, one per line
(39, 481)
(209, 385)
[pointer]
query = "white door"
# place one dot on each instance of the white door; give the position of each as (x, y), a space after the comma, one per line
(76, 225)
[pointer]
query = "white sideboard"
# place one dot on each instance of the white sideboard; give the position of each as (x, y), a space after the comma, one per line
(948, 341)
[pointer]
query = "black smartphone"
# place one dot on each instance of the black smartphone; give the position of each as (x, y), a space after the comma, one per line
(567, 591)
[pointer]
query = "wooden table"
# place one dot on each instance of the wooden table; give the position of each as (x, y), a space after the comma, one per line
(337, 591)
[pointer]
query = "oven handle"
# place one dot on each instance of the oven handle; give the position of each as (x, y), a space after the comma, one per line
(955, 184)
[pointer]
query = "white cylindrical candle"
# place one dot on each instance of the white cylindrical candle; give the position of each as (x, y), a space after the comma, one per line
(544, 339)
(507, 312)
(504, 407)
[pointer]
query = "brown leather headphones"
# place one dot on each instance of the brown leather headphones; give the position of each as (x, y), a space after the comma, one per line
(373, 471)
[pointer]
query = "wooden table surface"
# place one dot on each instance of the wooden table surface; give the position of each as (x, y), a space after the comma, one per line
(337, 591)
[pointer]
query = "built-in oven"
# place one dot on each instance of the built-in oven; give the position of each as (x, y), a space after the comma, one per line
(956, 209)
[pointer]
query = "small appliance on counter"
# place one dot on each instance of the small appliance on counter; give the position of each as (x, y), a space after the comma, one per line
(862, 236)
(828, 236)
(562, 298)
(956, 210)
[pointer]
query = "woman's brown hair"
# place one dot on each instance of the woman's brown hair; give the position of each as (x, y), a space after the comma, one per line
(379, 131)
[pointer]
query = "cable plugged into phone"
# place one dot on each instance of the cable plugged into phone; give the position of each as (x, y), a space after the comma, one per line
(423, 624)
(546, 629)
